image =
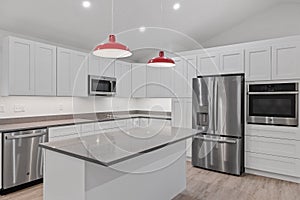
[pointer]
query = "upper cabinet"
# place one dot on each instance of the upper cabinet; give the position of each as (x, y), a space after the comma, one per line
(29, 68)
(208, 64)
(123, 76)
(179, 77)
(101, 66)
(226, 61)
(232, 61)
(139, 80)
(286, 60)
(279, 61)
(72, 78)
(191, 63)
(258, 63)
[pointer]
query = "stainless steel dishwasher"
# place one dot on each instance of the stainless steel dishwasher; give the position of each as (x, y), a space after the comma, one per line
(22, 157)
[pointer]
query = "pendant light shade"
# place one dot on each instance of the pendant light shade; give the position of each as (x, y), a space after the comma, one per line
(112, 49)
(161, 61)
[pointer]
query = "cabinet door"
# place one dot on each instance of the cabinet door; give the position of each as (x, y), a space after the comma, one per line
(179, 77)
(208, 64)
(79, 76)
(232, 61)
(123, 75)
(178, 113)
(21, 67)
(188, 124)
(107, 67)
(94, 65)
(166, 81)
(139, 82)
(286, 61)
(64, 76)
(45, 70)
(258, 63)
(153, 82)
(191, 63)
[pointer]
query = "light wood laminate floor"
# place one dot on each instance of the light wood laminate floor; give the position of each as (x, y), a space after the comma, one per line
(207, 185)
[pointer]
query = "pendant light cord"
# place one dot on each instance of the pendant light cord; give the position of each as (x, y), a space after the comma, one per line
(112, 16)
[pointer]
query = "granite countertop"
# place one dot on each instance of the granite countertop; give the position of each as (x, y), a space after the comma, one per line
(64, 122)
(113, 147)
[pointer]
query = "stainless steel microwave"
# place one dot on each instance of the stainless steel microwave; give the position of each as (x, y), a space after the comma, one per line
(102, 86)
(273, 104)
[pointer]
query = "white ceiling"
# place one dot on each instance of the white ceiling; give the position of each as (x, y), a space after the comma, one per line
(68, 23)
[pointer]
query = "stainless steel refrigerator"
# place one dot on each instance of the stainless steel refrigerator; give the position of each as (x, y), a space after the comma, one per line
(218, 111)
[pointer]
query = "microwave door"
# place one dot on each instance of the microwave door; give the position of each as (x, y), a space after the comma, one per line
(203, 104)
(228, 105)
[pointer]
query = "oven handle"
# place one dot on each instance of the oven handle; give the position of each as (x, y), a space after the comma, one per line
(283, 92)
(216, 140)
(40, 133)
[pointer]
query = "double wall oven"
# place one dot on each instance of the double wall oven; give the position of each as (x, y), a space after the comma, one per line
(273, 104)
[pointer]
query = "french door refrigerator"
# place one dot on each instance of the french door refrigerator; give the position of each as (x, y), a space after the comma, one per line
(218, 111)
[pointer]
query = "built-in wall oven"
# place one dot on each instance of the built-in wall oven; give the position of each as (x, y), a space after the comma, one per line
(101, 85)
(273, 104)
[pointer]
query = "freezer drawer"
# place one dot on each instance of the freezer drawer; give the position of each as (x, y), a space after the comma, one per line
(218, 153)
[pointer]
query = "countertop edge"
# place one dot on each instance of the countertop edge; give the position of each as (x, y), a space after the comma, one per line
(118, 160)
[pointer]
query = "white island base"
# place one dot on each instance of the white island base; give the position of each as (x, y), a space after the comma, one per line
(156, 175)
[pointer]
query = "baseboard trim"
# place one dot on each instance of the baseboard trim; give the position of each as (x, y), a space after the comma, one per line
(273, 175)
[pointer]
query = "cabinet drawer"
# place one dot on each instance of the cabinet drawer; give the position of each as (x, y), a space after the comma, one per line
(64, 130)
(119, 123)
(271, 146)
(66, 137)
(273, 164)
(103, 125)
(291, 133)
(90, 127)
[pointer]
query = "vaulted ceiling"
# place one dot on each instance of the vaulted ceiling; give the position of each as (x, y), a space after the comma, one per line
(68, 23)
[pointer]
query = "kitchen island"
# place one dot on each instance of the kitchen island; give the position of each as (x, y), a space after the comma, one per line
(137, 163)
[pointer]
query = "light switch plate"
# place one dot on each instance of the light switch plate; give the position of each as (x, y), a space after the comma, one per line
(19, 108)
(2, 109)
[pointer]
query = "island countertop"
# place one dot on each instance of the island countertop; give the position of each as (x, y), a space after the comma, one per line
(109, 148)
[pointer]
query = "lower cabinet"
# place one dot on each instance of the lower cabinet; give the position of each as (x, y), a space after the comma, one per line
(182, 117)
(273, 150)
(73, 131)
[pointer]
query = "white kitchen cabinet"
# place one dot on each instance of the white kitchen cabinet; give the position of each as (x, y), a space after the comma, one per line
(258, 63)
(72, 76)
(64, 132)
(64, 75)
(273, 164)
(139, 80)
(101, 66)
(79, 74)
(153, 82)
(208, 64)
(191, 62)
(123, 75)
(286, 60)
(29, 68)
(45, 70)
(232, 61)
(182, 117)
(166, 81)
(180, 77)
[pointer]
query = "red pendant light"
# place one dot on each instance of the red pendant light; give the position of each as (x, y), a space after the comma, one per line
(161, 61)
(112, 49)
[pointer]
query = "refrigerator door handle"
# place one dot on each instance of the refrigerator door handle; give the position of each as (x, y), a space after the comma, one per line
(215, 106)
(216, 140)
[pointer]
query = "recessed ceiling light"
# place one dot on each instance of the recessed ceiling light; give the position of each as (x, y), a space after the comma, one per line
(142, 29)
(86, 4)
(176, 6)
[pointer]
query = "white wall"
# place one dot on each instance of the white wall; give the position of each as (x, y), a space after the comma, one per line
(38, 106)
(279, 21)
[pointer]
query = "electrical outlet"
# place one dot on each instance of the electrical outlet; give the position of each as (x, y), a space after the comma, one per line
(19, 108)
(2, 109)
(61, 107)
